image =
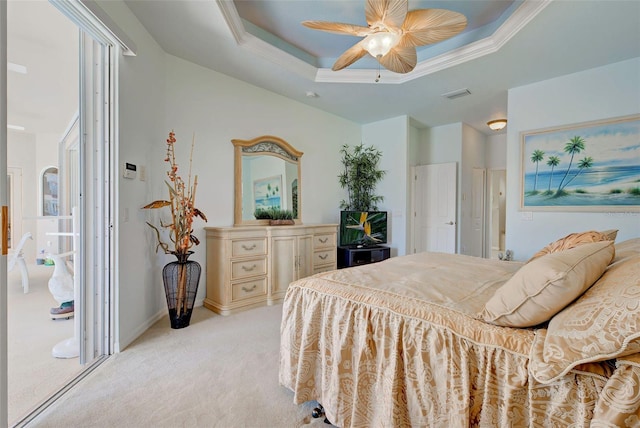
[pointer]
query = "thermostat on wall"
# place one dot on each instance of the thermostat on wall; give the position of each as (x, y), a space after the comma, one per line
(129, 170)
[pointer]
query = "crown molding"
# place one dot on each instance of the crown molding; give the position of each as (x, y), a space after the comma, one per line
(258, 46)
(528, 10)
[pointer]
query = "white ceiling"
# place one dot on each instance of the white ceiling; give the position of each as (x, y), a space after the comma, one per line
(564, 37)
(507, 44)
(45, 99)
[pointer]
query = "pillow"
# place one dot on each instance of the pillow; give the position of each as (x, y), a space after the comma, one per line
(540, 289)
(611, 234)
(602, 324)
(625, 249)
(573, 240)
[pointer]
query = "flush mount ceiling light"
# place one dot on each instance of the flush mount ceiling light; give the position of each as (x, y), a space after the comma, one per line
(393, 32)
(498, 124)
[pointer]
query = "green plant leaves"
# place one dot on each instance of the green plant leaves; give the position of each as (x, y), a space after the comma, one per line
(360, 177)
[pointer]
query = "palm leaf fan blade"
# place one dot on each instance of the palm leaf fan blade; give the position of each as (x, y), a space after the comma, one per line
(390, 13)
(338, 28)
(400, 59)
(427, 26)
(350, 56)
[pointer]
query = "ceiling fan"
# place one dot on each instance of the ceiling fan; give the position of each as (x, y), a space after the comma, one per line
(393, 32)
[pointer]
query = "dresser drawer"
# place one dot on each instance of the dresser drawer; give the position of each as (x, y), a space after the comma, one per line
(248, 247)
(324, 257)
(248, 289)
(246, 268)
(324, 240)
(325, 268)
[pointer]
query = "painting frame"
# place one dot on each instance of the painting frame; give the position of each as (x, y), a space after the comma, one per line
(267, 192)
(596, 166)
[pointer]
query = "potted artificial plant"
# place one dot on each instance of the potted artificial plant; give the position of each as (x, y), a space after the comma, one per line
(360, 176)
(180, 277)
(276, 217)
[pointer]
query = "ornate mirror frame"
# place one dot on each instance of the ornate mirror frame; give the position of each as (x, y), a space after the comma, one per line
(266, 145)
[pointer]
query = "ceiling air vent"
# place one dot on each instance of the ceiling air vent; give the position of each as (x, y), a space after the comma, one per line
(457, 93)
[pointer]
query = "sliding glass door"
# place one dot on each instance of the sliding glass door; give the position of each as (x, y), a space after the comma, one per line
(79, 230)
(3, 212)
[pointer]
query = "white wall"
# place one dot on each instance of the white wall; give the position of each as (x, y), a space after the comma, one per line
(599, 93)
(142, 132)
(391, 136)
(441, 144)
(496, 151)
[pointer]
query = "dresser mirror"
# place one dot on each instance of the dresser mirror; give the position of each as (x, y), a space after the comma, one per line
(267, 175)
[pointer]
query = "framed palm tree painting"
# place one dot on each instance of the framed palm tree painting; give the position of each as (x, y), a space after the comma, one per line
(592, 166)
(267, 193)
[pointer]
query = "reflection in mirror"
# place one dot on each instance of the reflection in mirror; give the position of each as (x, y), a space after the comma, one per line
(49, 188)
(267, 175)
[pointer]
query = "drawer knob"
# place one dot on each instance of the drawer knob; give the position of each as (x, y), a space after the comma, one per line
(247, 290)
(248, 269)
(323, 240)
(323, 256)
(246, 248)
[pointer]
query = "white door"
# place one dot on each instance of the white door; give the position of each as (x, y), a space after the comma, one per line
(478, 186)
(435, 195)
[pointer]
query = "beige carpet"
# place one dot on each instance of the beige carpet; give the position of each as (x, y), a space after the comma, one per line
(218, 372)
(34, 374)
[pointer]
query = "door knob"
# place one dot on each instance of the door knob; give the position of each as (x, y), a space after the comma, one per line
(450, 223)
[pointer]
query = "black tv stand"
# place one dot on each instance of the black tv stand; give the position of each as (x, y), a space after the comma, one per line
(361, 255)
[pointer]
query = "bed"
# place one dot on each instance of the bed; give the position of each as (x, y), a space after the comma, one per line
(442, 340)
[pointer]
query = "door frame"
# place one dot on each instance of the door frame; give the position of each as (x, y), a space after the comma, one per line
(477, 213)
(4, 399)
(14, 201)
(489, 211)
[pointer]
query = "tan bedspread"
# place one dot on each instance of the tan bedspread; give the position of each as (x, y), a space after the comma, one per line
(396, 344)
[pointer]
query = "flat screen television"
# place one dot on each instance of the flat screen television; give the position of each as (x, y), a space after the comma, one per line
(363, 228)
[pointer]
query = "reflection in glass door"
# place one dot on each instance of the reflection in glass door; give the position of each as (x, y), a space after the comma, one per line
(44, 97)
(60, 175)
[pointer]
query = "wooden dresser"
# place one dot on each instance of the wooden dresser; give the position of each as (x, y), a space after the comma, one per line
(250, 266)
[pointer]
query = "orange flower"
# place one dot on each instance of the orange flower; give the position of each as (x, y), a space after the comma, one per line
(182, 203)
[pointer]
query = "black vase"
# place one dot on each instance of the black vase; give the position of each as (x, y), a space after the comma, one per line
(181, 280)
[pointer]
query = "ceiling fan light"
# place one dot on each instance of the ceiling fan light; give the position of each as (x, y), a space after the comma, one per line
(497, 125)
(379, 44)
